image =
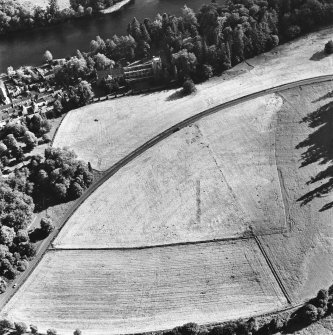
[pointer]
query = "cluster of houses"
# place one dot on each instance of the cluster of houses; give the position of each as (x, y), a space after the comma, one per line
(25, 92)
(136, 72)
(29, 90)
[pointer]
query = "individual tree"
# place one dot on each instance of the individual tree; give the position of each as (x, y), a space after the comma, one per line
(20, 327)
(57, 107)
(185, 62)
(21, 236)
(51, 332)
(80, 10)
(6, 324)
(75, 190)
(77, 332)
(10, 142)
(46, 138)
(3, 148)
(22, 265)
(30, 140)
(310, 313)
(46, 226)
(53, 8)
(27, 249)
(275, 325)
(207, 71)
(33, 329)
(188, 87)
(60, 191)
(7, 235)
(3, 287)
(47, 57)
(84, 92)
(189, 17)
(39, 125)
(134, 29)
(189, 329)
(89, 10)
(18, 154)
(102, 62)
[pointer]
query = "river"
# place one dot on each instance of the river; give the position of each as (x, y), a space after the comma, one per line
(27, 48)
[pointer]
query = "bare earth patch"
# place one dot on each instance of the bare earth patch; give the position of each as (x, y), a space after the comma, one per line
(115, 292)
(104, 133)
(212, 180)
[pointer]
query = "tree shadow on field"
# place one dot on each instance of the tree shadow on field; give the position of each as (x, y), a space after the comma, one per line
(176, 95)
(37, 235)
(319, 146)
(319, 55)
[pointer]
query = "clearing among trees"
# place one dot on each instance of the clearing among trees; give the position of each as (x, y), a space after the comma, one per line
(216, 179)
(104, 133)
(116, 292)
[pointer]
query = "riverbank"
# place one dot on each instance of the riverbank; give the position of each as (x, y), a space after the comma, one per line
(27, 47)
(65, 14)
(115, 7)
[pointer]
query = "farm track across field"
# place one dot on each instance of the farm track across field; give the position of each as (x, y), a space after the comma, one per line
(271, 266)
(116, 167)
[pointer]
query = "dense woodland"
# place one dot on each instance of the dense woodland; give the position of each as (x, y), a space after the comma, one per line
(199, 45)
(56, 177)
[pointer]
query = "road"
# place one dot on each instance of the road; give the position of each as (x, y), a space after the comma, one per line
(43, 247)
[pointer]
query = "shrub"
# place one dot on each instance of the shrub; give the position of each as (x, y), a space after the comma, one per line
(189, 87)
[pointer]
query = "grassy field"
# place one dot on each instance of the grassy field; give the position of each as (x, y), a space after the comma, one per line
(115, 292)
(104, 133)
(212, 180)
(304, 159)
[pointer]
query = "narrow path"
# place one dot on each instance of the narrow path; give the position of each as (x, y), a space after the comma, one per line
(4, 298)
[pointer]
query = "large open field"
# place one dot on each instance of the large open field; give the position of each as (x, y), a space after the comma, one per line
(212, 180)
(115, 292)
(104, 133)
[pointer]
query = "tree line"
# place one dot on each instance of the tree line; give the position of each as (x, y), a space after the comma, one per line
(199, 44)
(16, 16)
(55, 177)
